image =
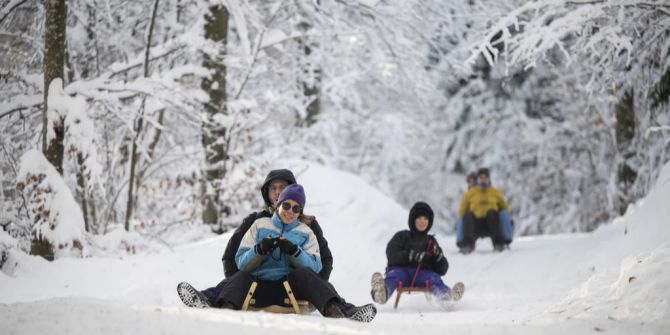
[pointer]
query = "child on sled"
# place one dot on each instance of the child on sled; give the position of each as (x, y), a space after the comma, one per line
(415, 259)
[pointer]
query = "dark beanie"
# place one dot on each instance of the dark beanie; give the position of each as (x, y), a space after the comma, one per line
(484, 171)
(420, 208)
(282, 174)
(293, 192)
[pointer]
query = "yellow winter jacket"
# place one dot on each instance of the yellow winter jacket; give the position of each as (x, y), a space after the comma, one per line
(479, 201)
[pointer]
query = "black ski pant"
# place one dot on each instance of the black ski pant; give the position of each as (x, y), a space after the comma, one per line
(213, 293)
(305, 283)
(474, 228)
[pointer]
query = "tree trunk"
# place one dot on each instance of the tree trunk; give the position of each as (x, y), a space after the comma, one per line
(42, 247)
(213, 134)
(151, 149)
(81, 187)
(659, 94)
(94, 217)
(311, 78)
(133, 165)
(624, 111)
(91, 67)
(312, 91)
(54, 58)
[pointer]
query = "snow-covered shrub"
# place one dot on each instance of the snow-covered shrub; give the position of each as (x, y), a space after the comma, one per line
(58, 221)
(7, 244)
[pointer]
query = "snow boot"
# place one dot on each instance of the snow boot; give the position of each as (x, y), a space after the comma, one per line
(457, 292)
(364, 313)
(466, 249)
(499, 247)
(192, 297)
(333, 310)
(379, 293)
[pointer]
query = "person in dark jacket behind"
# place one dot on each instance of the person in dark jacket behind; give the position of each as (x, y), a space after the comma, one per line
(274, 184)
(471, 180)
(414, 255)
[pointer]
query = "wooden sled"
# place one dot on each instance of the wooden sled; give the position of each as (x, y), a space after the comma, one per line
(399, 291)
(295, 306)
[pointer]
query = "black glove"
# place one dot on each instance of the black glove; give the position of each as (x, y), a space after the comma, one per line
(416, 256)
(266, 245)
(287, 247)
(437, 254)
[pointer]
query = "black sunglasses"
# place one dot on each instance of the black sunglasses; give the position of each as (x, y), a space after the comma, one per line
(286, 206)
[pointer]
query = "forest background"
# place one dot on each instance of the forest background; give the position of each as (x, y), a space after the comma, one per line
(163, 115)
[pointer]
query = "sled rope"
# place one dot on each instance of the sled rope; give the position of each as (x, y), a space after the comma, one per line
(429, 252)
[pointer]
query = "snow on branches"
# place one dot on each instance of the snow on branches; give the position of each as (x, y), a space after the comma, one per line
(605, 30)
(80, 132)
(604, 57)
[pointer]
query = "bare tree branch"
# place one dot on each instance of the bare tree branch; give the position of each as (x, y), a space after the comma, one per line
(12, 8)
(138, 64)
(20, 108)
(139, 123)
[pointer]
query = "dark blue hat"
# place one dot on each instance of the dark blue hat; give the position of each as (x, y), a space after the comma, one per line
(293, 192)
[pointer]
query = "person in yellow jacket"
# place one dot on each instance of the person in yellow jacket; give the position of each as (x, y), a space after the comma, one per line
(480, 209)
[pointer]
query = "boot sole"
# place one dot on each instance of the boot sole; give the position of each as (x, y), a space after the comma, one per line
(189, 296)
(366, 314)
(457, 291)
(378, 289)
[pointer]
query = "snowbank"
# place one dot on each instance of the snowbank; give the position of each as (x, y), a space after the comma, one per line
(632, 275)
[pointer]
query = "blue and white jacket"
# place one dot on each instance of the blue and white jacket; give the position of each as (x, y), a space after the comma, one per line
(276, 265)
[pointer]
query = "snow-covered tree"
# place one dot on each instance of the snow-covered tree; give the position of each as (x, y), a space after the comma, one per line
(605, 57)
(58, 224)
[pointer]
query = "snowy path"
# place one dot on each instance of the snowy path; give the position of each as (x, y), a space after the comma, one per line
(505, 293)
(550, 284)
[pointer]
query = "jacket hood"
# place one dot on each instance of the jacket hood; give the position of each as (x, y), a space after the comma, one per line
(284, 174)
(420, 208)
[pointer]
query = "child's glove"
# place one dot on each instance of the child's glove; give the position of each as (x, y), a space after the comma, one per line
(416, 256)
(437, 254)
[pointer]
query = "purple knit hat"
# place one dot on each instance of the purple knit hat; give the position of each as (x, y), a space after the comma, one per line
(294, 192)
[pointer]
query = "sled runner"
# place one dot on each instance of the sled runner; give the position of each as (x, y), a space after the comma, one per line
(400, 290)
(292, 305)
(456, 293)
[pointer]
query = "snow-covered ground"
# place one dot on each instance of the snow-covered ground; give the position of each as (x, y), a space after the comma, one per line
(615, 280)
